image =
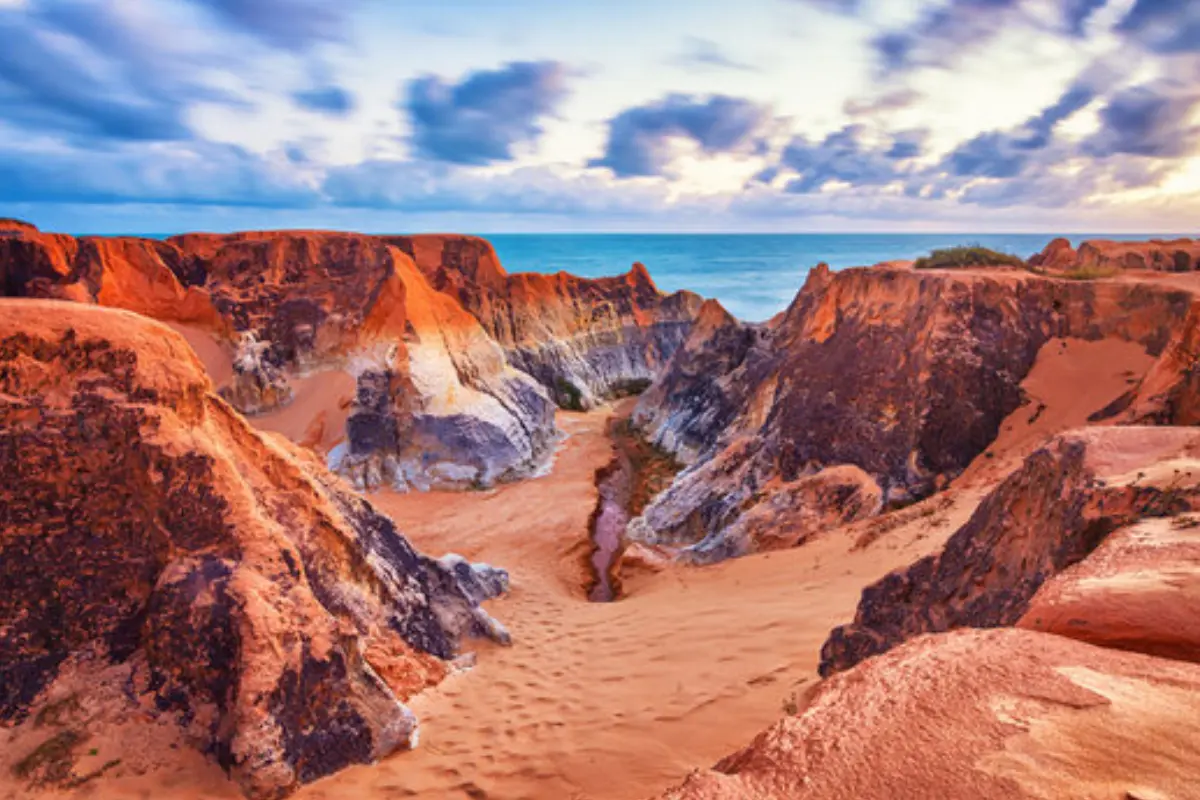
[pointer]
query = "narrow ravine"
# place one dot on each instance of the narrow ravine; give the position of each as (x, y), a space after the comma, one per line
(638, 471)
(607, 526)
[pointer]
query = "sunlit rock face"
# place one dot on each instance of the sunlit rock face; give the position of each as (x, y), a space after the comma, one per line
(1102, 255)
(585, 340)
(474, 360)
(904, 374)
(202, 571)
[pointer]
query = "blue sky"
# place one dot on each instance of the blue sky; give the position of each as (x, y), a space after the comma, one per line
(655, 115)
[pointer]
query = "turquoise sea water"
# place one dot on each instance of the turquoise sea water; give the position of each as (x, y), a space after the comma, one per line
(753, 275)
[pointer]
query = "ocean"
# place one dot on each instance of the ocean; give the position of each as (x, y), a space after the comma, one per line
(754, 276)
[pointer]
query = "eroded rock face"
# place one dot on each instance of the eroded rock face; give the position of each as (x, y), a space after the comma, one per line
(1139, 591)
(996, 714)
(238, 586)
(474, 357)
(1047, 516)
(586, 340)
(1176, 255)
(905, 375)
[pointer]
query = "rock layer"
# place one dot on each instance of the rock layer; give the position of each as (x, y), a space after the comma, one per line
(1102, 255)
(239, 585)
(905, 375)
(1047, 516)
(451, 337)
(586, 340)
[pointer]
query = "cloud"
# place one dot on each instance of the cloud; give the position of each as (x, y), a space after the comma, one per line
(1005, 154)
(332, 100)
(1165, 26)
(1148, 120)
(939, 36)
(639, 137)
(846, 156)
(897, 100)
(198, 173)
(287, 24)
(480, 119)
(424, 187)
(85, 69)
(707, 54)
(1078, 12)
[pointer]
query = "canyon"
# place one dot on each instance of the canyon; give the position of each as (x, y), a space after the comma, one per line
(927, 532)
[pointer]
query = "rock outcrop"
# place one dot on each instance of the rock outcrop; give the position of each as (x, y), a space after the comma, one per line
(469, 357)
(1139, 591)
(222, 578)
(1047, 516)
(1103, 255)
(906, 375)
(994, 715)
(586, 340)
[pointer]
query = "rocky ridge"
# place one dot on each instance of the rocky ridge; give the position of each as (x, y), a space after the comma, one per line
(906, 375)
(458, 362)
(158, 554)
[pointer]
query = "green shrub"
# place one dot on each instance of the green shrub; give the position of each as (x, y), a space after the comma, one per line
(568, 395)
(1090, 273)
(972, 256)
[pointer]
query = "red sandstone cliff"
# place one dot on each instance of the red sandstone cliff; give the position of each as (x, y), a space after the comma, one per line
(906, 375)
(443, 347)
(162, 564)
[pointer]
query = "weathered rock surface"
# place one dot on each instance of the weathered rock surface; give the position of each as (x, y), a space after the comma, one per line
(586, 340)
(451, 338)
(1176, 255)
(982, 714)
(1139, 591)
(237, 586)
(1047, 516)
(906, 375)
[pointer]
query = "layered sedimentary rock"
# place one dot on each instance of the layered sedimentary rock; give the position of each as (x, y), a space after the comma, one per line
(1047, 516)
(906, 375)
(586, 340)
(222, 578)
(1102, 255)
(982, 714)
(469, 357)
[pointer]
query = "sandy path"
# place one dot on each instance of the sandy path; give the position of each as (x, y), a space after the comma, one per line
(611, 701)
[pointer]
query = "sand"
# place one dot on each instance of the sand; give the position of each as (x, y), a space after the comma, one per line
(316, 417)
(618, 700)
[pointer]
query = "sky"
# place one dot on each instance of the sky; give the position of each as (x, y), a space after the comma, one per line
(156, 116)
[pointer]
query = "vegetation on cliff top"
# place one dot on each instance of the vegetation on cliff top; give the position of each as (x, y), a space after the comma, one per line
(967, 256)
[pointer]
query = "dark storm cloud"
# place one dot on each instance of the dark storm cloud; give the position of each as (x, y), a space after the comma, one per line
(480, 119)
(332, 100)
(639, 137)
(287, 24)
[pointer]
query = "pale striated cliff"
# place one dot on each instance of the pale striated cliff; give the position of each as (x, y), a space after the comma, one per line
(586, 340)
(161, 562)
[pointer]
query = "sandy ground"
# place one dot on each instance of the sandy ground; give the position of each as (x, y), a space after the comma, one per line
(622, 700)
(316, 417)
(619, 700)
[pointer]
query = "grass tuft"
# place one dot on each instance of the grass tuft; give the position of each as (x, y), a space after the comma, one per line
(967, 256)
